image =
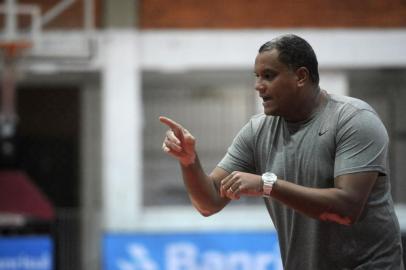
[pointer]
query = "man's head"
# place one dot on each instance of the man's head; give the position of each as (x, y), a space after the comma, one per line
(287, 77)
(294, 52)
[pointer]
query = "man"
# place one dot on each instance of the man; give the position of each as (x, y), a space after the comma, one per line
(320, 161)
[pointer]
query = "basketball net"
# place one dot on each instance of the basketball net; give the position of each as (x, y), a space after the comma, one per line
(10, 52)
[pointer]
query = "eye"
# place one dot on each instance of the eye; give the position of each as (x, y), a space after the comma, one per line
(268, 76)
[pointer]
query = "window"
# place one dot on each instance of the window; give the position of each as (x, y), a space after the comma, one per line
(213, 106)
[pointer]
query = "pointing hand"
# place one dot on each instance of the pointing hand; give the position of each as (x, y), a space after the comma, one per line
(178, 142)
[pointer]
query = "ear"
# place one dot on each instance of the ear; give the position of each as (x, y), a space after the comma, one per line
(302, 74)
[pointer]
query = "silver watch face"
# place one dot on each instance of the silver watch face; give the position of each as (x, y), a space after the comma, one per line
(268, 177)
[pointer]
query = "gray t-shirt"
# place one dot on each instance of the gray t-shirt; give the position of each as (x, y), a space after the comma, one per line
(344, 136)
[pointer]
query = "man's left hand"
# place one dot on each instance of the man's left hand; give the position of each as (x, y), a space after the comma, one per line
(241, 183)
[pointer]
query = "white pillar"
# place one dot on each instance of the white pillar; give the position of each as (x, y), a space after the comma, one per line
(334, 82)
(121, 130)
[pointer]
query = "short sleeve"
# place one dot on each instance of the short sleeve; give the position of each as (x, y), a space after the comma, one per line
(240, 155)
(362, 144)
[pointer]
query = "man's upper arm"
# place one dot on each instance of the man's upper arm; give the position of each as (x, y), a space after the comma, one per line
(240, 154)
(362, 144)
(361, 156)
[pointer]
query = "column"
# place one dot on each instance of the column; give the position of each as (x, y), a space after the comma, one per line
(121, 131)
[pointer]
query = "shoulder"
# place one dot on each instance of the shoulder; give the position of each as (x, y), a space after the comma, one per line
(259, 120)
(252, 126)
(345, 108)
(349, 105)
(353, 115)
(258, 125)
(261, 123)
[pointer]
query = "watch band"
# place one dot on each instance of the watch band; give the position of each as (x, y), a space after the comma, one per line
(269, 179)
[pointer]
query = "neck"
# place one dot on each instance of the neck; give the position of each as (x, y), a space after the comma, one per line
(307, 105)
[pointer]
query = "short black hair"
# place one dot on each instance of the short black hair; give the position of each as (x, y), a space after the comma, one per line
(295, 52)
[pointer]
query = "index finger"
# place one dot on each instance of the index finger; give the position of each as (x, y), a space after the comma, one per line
(170, 123)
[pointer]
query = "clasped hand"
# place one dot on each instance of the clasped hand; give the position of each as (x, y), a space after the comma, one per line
(241, 183)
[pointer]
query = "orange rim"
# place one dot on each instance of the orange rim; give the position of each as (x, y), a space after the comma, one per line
(13, 48)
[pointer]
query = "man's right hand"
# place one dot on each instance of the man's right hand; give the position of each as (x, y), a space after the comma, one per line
(178, 142)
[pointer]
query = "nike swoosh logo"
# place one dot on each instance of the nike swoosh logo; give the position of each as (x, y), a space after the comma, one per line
(322, 132)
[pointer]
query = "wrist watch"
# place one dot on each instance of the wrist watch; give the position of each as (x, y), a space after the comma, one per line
(269, 179)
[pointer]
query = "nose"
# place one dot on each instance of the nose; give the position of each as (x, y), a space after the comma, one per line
(259, 86)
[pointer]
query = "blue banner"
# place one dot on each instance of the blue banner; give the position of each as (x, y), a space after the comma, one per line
(192, 251)
(26, 253)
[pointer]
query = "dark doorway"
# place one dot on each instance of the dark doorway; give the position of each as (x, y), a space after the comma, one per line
(48, 132)
(48, 151)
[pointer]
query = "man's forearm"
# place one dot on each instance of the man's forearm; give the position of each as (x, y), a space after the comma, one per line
(342, 203)
(201, 189)
(316, 203)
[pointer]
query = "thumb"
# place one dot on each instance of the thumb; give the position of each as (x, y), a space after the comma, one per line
(189, 142)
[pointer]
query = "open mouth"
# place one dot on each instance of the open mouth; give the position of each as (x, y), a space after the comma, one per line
(265, 99)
